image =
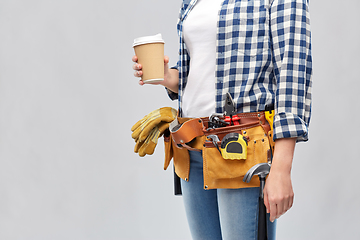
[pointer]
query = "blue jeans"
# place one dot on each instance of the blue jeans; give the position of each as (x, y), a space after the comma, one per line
(220, 213)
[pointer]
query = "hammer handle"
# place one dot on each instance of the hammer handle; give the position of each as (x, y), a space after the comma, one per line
(262, 228)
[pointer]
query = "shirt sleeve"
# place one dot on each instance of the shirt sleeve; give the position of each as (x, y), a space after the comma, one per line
(173, 95)
(291, 43)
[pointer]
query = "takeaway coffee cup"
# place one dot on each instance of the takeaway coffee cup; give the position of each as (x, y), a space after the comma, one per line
(150, 53)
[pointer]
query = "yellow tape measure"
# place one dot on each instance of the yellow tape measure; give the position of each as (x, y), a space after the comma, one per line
(234, 146)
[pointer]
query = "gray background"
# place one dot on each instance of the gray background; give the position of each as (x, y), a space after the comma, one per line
(68, 99)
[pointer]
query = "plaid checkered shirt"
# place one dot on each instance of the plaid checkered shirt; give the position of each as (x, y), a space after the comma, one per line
(263, 57)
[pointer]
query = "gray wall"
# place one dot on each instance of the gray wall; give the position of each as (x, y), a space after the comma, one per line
(68, 100)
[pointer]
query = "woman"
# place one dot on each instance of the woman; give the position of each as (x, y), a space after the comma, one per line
(260, 52)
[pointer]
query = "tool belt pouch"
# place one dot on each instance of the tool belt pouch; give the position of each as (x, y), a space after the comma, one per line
(228, 173)
(180, 156)
(193, 134)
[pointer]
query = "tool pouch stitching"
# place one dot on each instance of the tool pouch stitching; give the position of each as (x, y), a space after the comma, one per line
(217, 169)
(198, 143)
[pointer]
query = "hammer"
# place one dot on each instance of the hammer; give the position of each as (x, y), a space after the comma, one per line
(262, 170)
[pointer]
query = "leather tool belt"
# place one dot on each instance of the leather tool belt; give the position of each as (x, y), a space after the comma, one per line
(193, 134)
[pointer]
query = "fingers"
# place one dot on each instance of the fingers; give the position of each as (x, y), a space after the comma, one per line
(278, 207)
(166, 66)
(291, 202)
(138, 73)
(277, 203)
(273, 212)
(137, 67)
(166, 59)
(271, 206)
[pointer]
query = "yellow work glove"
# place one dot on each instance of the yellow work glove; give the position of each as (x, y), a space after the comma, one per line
(148, 145)
(143, 127)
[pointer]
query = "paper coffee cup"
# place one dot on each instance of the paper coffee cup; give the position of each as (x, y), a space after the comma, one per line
(150, 53)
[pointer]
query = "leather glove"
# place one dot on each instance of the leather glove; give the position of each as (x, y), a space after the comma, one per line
(143, 127)
(148, 145)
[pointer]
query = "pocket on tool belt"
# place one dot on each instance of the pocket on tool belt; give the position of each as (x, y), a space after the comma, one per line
(168, 150)
(216, 167)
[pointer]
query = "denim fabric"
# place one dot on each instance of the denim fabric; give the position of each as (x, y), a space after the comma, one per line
(220, 213)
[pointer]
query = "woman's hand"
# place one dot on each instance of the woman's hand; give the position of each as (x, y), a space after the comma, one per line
(171, 76)
(278, 191)
(138, 69)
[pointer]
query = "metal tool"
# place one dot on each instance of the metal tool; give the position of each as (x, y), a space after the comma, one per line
(230, 111)
(262, 170)
(215, 139)
(215, 121)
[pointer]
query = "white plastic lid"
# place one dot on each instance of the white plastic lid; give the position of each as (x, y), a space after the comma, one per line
(148, 39)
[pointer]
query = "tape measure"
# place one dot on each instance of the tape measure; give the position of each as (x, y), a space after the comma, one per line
(234, 146)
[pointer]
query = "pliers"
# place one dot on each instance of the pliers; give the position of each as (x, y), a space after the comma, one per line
(230, 111)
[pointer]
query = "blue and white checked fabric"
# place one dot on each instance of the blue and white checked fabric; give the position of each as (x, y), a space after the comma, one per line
(263, 57)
